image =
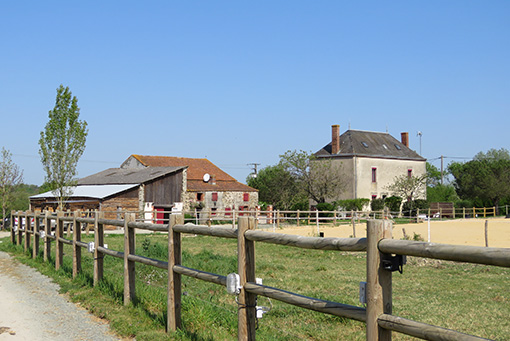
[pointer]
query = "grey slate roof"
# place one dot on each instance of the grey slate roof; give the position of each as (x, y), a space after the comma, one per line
(370, 144)
(127, 176)
(91, 191)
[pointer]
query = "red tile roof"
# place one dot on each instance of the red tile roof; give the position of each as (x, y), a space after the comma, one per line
(196, 170)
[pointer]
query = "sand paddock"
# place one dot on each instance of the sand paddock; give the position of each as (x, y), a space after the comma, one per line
(458, 232)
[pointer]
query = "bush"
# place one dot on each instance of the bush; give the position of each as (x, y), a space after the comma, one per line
(393, 203)
(325, 206)
(410, 208)
(352, 204)
(377, 204)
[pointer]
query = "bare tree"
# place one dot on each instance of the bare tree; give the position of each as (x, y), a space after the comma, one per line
(408, 187)
(10, 176)
(321, 179)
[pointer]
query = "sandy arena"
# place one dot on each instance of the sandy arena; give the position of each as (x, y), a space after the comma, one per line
(459, 232)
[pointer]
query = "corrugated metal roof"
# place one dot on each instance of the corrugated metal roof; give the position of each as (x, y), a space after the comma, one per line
(127, 176)
(91, 191)
(370, 144)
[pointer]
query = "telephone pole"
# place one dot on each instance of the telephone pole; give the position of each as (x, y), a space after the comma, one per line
(254, 166)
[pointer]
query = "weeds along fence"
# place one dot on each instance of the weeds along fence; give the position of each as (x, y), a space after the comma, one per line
(384, 255)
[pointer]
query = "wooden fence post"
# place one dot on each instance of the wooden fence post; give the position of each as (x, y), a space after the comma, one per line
(98, 241)
(76, 247)
(129, 265)
(246, 316)
(486, 233)
(353, 227)
(37, 227)
(27, 231)
(174, 279)
(379, 286)
(297, 218)
(20, 232)
(47, 240)
(13, 232)
(59, 246)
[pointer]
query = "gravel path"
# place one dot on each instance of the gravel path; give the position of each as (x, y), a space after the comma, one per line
(32, 309)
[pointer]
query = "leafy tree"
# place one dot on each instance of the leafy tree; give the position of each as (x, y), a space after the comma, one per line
(277, 187)
(10, 176)
(62, 143)
(493, 155)
(433, 175)
(442, 193)
(320, 179)
(408, 187)
(484, 178)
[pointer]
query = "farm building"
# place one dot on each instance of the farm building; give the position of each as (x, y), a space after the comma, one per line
(207, 187)
(371, 161)
(117, 189)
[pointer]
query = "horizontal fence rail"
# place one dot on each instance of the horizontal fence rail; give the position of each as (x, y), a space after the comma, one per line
(377, 315)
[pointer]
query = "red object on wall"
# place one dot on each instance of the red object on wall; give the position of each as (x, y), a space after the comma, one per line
(159, 215)
(246, 196)
(215, 196)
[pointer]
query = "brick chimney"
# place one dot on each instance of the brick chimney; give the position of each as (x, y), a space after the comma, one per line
(405, 139)
(335, 139)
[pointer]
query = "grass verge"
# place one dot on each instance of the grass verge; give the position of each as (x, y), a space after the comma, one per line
(473, 299)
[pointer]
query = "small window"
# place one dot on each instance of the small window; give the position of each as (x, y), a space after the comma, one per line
(227, 211)
(213, 211)
(374, 197)
(398, 147)
(364, 144)
(246, 197)
(409, 172)
(374, 174)
(200, 196)
(385, 146)
(215, 196)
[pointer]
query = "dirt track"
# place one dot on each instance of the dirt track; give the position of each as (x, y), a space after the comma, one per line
(32, 309)
(459, 232)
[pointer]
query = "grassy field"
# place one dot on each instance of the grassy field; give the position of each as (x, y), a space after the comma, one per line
(473, 299)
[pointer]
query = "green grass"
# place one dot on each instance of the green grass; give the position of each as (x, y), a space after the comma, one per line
(473, 299)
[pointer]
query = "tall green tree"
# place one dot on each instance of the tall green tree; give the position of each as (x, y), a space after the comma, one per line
(277, 187)
(10, 177)
(321, 179)
(62, 143)
(487, 179)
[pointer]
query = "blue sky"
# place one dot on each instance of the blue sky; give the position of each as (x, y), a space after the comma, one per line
(242, 82)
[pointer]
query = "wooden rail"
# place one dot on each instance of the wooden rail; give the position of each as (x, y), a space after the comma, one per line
(378, 314)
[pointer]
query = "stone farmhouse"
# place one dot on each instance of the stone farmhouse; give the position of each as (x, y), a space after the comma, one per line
(371, 161)
(206, 188)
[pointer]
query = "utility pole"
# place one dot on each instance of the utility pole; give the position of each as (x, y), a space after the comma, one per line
(442, 159)
(420, 135)
(254, 165)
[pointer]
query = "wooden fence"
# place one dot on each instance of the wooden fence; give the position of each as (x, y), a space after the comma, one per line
(281, 217)
(379, 247)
